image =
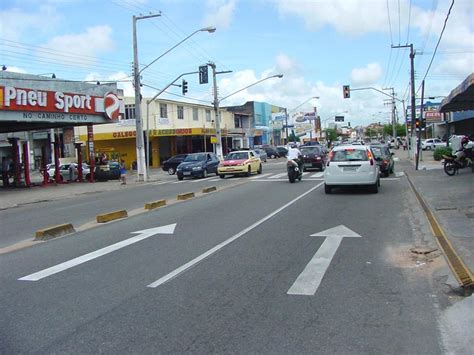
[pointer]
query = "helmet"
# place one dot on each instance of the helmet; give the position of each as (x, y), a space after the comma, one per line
(293, 146)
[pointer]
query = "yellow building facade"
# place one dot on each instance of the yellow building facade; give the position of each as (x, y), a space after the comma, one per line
(172, 127)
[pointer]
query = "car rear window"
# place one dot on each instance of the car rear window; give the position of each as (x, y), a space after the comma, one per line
(379, 152)
(310, 150)
(237, 156)
(350, 155)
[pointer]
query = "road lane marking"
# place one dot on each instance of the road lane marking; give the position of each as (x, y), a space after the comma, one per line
(259, 176)
(169, 229)
(276, 176)
(318, 175)
(309, 280)
(218, 247)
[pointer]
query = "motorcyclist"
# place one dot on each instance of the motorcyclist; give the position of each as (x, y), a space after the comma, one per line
(295, 154)
(461, 153)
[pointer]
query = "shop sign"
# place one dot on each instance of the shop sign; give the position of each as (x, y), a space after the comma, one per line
(55, 104)
(213, 139)
(124, 134)
(173, 132)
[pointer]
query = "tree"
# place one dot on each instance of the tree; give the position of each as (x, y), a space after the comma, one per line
(292, 137)
(331, 134)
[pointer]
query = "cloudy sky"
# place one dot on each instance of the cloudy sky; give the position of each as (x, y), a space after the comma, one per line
(319, 45)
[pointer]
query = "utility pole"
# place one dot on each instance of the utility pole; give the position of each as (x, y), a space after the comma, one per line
(412, 84)
(394, 129)
(141, 171)
(216, 109)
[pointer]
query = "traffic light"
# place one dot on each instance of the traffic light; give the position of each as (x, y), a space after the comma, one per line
(184, 87)
(346, 91)
(417, 123)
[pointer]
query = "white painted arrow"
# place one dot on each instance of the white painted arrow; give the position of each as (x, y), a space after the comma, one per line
(143, 234)
(309, 280)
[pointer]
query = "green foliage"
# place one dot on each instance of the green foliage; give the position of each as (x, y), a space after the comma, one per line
(331, 134)
(292, 137)
(399, 129)
(440, 151)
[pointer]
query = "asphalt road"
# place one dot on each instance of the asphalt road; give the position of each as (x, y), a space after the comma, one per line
(224, 279)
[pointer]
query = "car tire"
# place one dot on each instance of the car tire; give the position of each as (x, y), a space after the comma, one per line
(222, 176)
(428, 148)
(378, 182)
(88, 176)
(249, 172)
(204, 173)
(171, 171)
(375, 188)
(180, 177)
(259, 171)
(327, 189)
(273, 156)
(386, 173)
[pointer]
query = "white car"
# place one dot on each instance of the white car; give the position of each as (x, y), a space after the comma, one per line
(65, 174)
(432, 144)
(350, 165)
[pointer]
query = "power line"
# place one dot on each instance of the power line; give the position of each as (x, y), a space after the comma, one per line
(437, 44)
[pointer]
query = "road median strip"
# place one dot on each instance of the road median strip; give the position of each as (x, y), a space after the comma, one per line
(107, 217)
(209, 189)
(155, 204)
(54, 231)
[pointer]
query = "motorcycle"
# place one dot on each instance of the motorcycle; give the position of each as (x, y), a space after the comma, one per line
(294, 171)
(452, 164)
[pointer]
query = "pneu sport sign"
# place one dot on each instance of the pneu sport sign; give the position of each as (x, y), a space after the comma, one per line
(21, 104)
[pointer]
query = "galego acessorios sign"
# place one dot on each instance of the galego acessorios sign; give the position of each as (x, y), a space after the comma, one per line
(58, 102)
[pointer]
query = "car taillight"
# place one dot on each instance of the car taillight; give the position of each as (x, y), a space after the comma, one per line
(331, 154)
(318, 158)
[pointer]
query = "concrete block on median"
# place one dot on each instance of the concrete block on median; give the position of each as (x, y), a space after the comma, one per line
(54, 231)
(209, 189)
(185, 196)
(107, 217)
(155, 204)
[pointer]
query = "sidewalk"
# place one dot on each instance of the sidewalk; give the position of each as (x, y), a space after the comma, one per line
(450, 199)
(12, 196)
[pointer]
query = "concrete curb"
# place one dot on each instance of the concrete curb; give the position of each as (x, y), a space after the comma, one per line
(107, 217)
(54, 231)
(209, 189)
(155, 204)
(185, 196)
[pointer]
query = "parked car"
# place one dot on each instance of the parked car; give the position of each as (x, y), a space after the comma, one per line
(282, 151)
(261, 153)
(198, 165)
(243, 162)
(432, 144)
(351, 165)
(65, 172)
(114, 170)
(383, 158)
(172, 163)
(313, 157)
(272, 153)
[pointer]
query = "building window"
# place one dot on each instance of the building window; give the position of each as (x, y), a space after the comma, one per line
(208, 115)
(195, 114)
(237, 122)
(258, 119)
(129, 112)
(163, 110)
(180, 112)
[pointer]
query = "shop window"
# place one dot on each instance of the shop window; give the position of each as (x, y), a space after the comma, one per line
(163, 110)
(208, 115)
(238, 122)
(258, 119)
(129, 112)
(195, 114)
(180, 112)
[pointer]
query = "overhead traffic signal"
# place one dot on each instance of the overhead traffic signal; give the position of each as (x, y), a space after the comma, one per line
(346, 91)
(184, 87)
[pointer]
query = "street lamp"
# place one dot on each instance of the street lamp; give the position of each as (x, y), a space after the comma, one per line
(216, 108)
(141, 171)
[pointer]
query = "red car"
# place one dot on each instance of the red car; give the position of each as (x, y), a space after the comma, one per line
(314, 157)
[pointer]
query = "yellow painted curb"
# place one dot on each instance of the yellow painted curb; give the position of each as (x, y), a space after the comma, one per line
(209, 189)
(155, 204)
(460, 270)
(107, 217)
(185, 196)
(54, 231)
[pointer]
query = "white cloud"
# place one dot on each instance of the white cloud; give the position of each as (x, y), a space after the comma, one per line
(82, 49)
(366, 76)
(16, 70)
(124, 82)
(219, 13)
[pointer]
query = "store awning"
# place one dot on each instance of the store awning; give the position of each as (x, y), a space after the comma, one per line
(461, 98)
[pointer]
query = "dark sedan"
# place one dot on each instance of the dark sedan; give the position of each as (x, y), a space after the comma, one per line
(272, 153)
(198, 165)
(314, 157)
(384, 158)
(282, 151)
(172, 163)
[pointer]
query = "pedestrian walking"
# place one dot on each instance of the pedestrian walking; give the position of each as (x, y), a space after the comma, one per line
(404, 144)
(123, 172)
(5, 168)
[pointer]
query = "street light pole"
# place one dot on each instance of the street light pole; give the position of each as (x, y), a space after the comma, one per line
(138, 98)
